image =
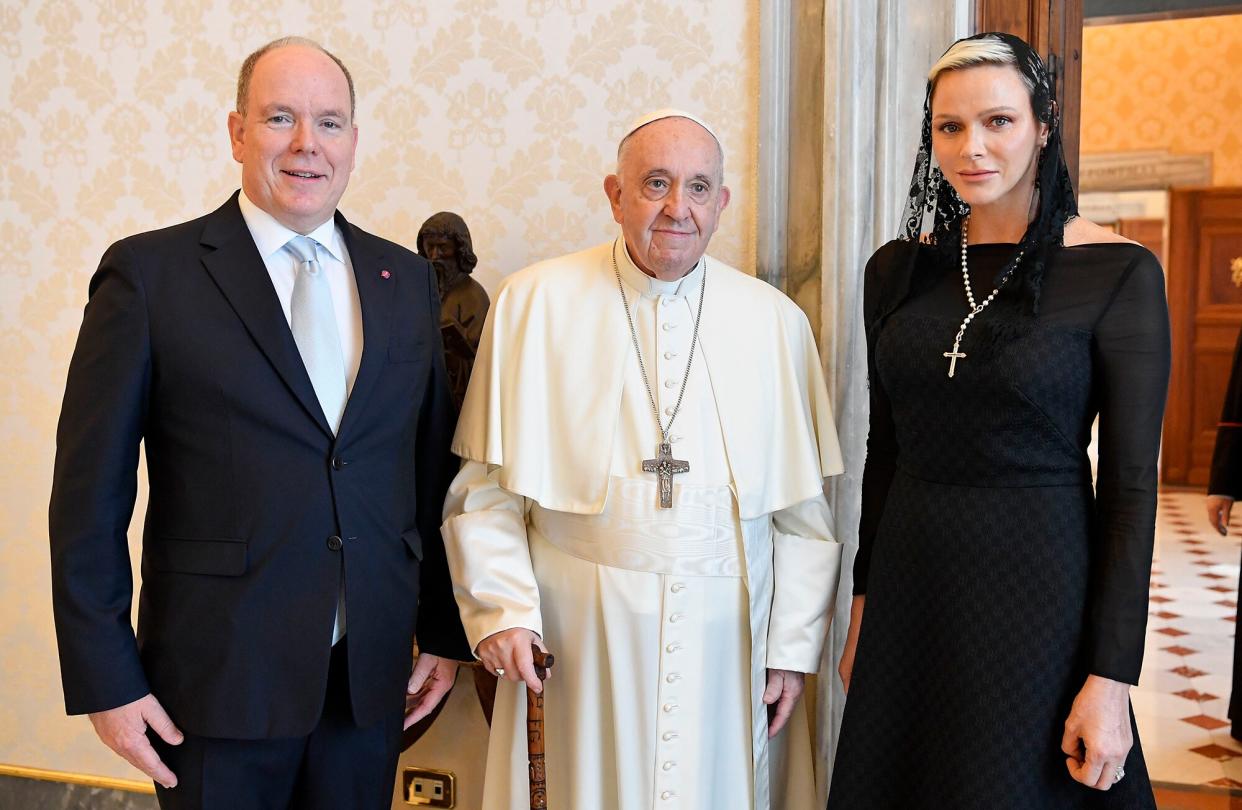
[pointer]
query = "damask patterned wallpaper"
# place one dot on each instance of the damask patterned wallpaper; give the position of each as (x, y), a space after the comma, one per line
(504, 110)
(1171, 84)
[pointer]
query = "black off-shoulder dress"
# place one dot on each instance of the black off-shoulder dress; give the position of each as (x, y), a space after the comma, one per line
(997, 578)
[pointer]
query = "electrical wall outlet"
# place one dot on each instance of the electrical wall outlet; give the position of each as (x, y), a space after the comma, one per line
(423, 787)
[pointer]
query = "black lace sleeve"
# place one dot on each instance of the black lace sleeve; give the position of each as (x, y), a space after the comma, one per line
(1131, 361)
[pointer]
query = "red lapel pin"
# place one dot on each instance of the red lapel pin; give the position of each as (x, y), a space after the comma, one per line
(385, 274)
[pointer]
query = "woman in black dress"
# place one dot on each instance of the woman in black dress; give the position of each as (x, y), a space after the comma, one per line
(1005, 598)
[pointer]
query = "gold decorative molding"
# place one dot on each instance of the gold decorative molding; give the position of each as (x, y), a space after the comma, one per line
(90, 780)
(1146, 169)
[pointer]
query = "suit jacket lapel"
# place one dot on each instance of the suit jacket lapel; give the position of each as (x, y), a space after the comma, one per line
(239, 272)
(375, 296)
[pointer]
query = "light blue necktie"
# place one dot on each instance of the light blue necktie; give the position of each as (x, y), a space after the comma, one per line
(313, 321)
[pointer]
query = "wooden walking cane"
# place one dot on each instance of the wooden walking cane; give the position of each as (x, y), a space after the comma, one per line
(534, 732)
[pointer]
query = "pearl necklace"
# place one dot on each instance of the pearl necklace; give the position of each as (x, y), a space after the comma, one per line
(975, 308)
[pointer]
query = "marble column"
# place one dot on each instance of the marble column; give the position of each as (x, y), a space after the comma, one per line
(841, 102)
(877, 54)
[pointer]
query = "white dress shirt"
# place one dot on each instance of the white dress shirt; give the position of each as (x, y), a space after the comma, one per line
(270, 237)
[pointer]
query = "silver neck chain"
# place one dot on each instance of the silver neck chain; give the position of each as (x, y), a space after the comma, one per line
(642, 368)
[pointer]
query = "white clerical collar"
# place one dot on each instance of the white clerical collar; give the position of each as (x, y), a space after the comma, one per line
(649, 285)
(270, 236)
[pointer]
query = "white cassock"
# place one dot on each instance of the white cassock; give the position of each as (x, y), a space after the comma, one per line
(663, 621)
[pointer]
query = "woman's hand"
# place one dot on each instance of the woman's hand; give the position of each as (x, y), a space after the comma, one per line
(1097, 733)
(846, 667)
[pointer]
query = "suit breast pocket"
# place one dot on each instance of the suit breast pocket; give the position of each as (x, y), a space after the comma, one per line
(220, 557)
(407, 351)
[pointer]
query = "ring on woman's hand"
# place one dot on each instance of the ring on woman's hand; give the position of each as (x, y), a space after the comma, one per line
(500, 673)
(1119, 774)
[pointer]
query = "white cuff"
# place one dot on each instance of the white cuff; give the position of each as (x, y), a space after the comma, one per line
(805, 576)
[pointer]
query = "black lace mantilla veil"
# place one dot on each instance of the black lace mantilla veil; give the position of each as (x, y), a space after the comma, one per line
(930, 192)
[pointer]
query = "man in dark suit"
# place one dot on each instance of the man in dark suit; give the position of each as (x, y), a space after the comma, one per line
(284, 369)
(1225, 487)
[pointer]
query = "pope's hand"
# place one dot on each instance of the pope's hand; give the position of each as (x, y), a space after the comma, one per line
(507, 654)
(124, 730)
(431, 680)
(784, 689)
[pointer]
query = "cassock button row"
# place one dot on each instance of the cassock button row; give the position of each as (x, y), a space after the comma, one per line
(669, 355)
(668, 411)
(670, 383)
(335, 543)
(672, 648)
(668, 765)
(669, 736)
(668, 794)
(669, 326)
(678, 587)
(673, 677)
(669, 708)
(676, 617)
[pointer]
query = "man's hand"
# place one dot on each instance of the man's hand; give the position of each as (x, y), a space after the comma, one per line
(124, 730)
(1218, 509)
(784, 689)
(509, 652)
(431, 680)
(1097, 733)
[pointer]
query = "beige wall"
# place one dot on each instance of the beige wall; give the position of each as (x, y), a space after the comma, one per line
(115, 123)
(1170, 84)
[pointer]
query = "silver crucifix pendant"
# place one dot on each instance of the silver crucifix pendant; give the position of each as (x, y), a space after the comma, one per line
(954, 356)
(665, 466)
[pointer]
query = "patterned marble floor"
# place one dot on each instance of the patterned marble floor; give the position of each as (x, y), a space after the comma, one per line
(1183, 694)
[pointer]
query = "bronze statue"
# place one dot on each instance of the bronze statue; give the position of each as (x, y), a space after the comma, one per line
(444, 240)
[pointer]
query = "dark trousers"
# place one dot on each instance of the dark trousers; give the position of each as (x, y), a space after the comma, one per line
(338, 766)
(1235, 693)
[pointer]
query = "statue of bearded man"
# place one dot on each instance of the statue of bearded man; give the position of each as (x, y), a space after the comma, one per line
(444, 240)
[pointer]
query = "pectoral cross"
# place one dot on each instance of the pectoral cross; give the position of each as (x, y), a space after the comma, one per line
(954, 356)
(665, 466)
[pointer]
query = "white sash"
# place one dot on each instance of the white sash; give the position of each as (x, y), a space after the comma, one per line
(700, 536)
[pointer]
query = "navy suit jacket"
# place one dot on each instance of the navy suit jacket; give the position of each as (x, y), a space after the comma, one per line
(255, 508)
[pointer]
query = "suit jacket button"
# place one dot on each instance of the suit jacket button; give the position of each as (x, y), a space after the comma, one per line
(337, 463)
(334, 543)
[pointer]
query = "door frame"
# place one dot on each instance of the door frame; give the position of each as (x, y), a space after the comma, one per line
(1054, 29)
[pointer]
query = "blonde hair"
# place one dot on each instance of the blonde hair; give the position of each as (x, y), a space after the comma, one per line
(968, 53)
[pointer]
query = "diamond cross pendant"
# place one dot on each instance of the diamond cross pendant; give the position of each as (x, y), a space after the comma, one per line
(954, 356)
(665, 466)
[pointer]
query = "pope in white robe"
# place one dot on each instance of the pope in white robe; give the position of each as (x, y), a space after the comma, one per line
(681, 634)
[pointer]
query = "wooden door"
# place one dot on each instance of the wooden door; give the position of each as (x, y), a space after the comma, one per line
(1147, 232)
(1205, 303)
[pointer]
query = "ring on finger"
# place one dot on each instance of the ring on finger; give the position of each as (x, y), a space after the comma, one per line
(1119, 773)
(500, 672)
